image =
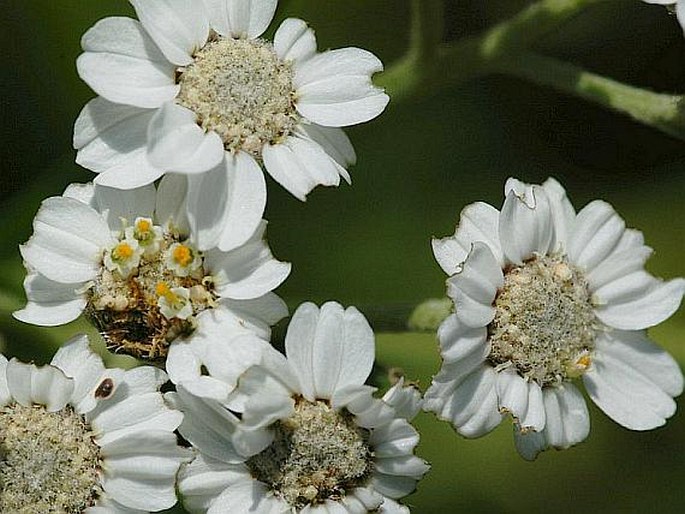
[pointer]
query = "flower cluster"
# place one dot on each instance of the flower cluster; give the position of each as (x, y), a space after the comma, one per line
(165, 255)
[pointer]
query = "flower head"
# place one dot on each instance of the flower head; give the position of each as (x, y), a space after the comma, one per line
(193, 88)
(75, 436)
(544, 296)
(129, 261)
(311, 435)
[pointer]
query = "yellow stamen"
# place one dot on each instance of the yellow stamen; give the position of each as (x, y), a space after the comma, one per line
(163, 290)
(122, 252)
(143, 225)
(584, 361)
(183, 255)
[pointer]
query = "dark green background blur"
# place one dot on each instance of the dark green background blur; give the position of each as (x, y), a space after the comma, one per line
(419, 164)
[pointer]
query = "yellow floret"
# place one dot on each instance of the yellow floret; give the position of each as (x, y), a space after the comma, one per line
(183, 255)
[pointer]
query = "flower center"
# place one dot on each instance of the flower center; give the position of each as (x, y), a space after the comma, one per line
(240, 89)
(544, 323)
(317, 454)
(142, 303)
(48, 461)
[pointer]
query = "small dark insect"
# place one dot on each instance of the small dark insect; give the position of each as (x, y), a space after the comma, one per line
(105, 389)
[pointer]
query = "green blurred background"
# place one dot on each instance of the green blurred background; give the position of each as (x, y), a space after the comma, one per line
(419, 164)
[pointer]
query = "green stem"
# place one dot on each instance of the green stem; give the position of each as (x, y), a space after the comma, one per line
(662, 111)
(428, 20)
(428, 67)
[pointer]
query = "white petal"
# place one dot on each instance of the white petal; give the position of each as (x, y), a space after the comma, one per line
(299, 165)
(84, 193)
(125, 204)
(406, 465)
(111, 140)
(144, 493)
(405, 400)
(526, 224)
(460, 342)
(140, 470)
(512, 391)
(78, 361)
(133, 414)
(5, 396)
(249, 271)
(122, 64)
(522, 399)
(171, 202)
(259, 314)
(225, 205)
(45, 385)
(617, 266)
(68, 241)
(477, 222)
(225, 348)
(50, 303)
(563, 213)
(201, 481)
(635, 349)
(473, 289)
(393, 486)
(294, 40)
(535, 413)
(394, 439)
(638, 301)
(392, 507)
(334, 88)
(471, 405)
(178, 144)
(595, 234)
(269, 398)
(568, 420)
(529, 444)
(207, 425)
(249, 496)
(178, 27)
(628, 395)
(245, 203)
(334, 348)
(334, 142)
(241, 18)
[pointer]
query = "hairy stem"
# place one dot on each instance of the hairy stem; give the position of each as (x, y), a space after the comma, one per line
(662, 111)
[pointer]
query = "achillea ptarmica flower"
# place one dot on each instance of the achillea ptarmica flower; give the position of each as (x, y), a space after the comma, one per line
(129, 261)
(76, 437)
(544, 296)
(311, 438)
(192, 88)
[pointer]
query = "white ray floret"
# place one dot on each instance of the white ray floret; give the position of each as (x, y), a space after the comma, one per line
(544, 296)
(311, 438)
(78, 437)
(129, 260)
(193, 88)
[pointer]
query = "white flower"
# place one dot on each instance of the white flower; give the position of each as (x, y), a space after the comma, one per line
(77, 437)
(192, 88)
(543, 296)
(143, 285)
(312, 438)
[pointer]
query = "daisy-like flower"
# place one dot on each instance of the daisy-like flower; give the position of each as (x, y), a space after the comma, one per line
(77, 437)
(544, 296)
(129, 261)
(312, 438)
(192, 88)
